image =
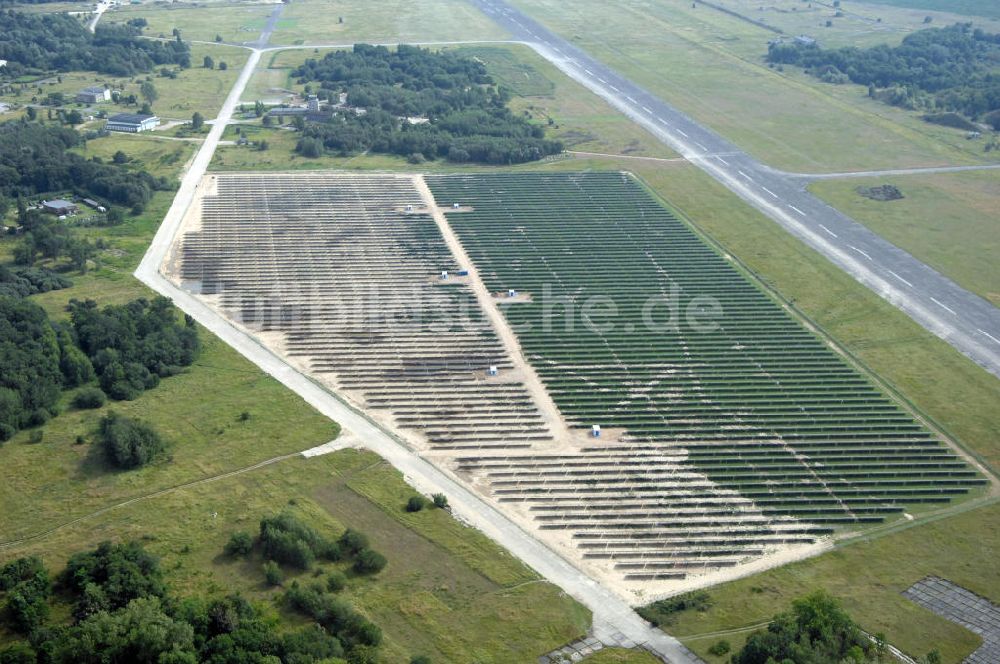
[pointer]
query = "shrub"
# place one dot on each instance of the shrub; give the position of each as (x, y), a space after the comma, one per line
(353, 541)
(720, 648)
(420, 659)
(369, 561)
(129, 443)
(88, 398)
(111, 576)
(335, 582)
(415, 503)
(272, 573)
(288, 541)
(240, 544)
(663, 612)
(440, 500)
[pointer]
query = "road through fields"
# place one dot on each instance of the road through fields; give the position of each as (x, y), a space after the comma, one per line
(966, 321)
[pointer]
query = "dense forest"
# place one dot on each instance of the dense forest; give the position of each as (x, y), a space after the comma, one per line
(463, 114)
(121, 609)
(43, 42)
(35, 159)
(956, 69)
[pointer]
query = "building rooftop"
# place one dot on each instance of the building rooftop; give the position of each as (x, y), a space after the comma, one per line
(130, 118)
(58, 203)
(93, 89)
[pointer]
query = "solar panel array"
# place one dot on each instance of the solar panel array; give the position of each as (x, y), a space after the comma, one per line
(720, 446)
(348, 270)
(757, 403)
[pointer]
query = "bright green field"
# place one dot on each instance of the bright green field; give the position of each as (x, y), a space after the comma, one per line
(54, 7)
(235, 22)
(318, 22)
(947, 220)
(710, 65)
(987, 8)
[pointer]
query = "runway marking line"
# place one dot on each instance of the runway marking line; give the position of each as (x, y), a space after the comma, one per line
(828, 230)
(863, 253)
(900, 278)
(944, 306)
(797, 210)
(681, 132)
(984, 332)
(773, 195)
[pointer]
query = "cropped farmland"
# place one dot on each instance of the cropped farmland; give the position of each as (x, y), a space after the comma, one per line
(760, 405)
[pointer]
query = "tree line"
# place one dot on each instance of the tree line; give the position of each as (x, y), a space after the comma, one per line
(954, 68)
(459, 113)
(45, 42)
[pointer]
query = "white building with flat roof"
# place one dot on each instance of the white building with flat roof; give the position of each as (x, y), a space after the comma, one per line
(131, 123)
(93, 95)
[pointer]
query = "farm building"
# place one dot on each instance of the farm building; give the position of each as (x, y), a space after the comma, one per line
(91, 203)
(93, 95)
(307, 112)
(131, 122)
(59, 207)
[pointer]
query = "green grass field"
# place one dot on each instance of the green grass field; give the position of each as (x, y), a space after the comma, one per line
(947, 220)
(53, 7)
(235, 22)
(710, 65)
(319, 22)
(986, 8)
